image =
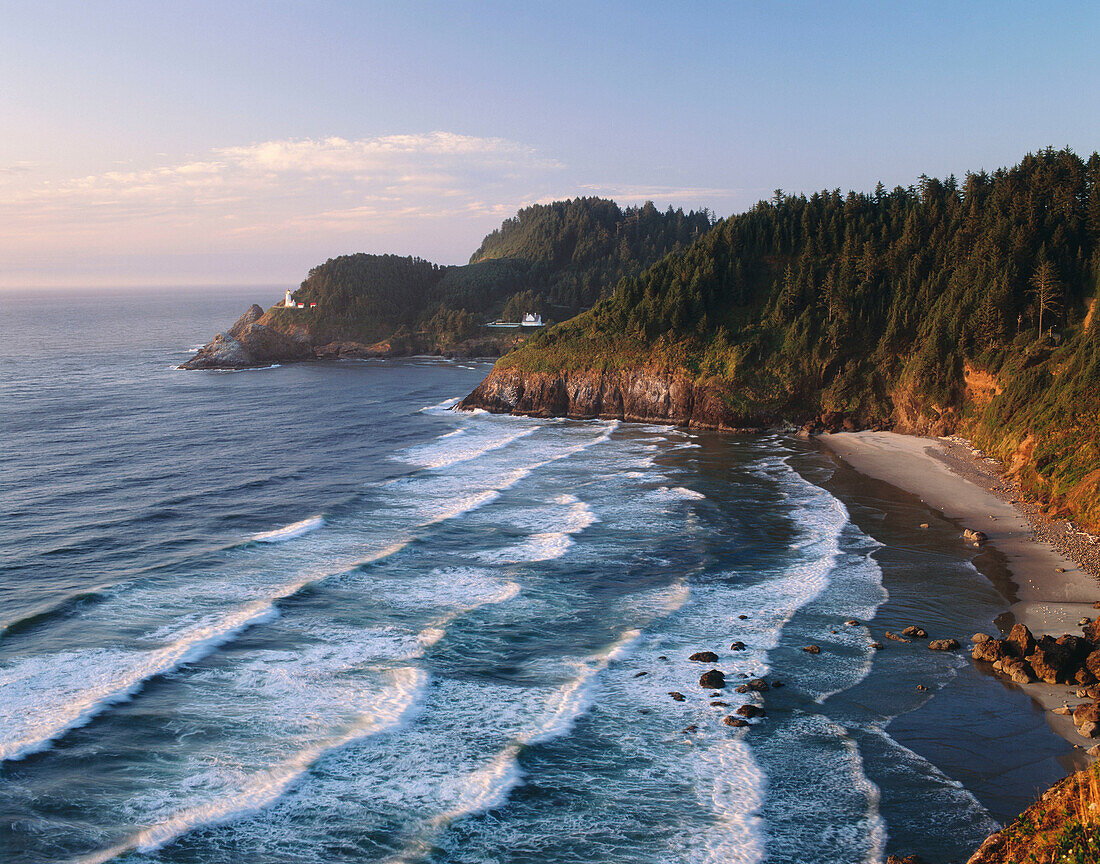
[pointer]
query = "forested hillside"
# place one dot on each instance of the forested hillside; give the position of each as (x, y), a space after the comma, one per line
(577, 250)
(946, 305)
(555, 259)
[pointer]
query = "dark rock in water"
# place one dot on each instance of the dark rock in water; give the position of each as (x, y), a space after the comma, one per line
(712, 680)
(743, 617)
(812, 649)
(742, 688)
(974, 536)
(676, 697)
(989, 651)
(914, 632)
(921, 687)
(878, 646)
(737, 646)
(759, 685)
(640, 674)
(751, 711)
(852, 622)
(1020, 641)
(944, 645)
(905, 859)
(691, 728)
(719, 704)
(777, 684)
(704, 657)
(895, 637)
(736, 722)
(662, 657)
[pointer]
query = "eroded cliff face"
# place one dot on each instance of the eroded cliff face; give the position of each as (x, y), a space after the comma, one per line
(251, 341)
(632, 394)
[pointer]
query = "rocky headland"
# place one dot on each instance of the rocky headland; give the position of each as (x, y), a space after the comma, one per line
(260, 338)
(638, 395)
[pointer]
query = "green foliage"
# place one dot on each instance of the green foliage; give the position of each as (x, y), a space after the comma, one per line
(576, 251)
(839, 300)
(368, 297)
(555, 259)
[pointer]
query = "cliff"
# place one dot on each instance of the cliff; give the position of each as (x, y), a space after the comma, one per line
(555, 259)
(653, 395)
(931, 310)
(254, 340)
(1063, 825)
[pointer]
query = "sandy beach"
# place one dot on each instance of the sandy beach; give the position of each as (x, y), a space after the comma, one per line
(1049, 591)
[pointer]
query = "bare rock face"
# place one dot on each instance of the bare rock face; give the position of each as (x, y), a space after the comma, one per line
(629, 394)
(1052, 662)
(1092, 663)
(251, 343)
(1018, 670)
(712, 680)
(1087, 713)
(704, 657)
(1020, 641)
(989, 650)
(252, 314)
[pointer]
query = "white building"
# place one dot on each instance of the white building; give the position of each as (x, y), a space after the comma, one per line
(530, 319)
(288, 303)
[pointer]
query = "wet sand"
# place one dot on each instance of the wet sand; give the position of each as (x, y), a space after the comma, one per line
(1044, 588)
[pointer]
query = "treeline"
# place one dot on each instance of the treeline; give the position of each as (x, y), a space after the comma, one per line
(578, 250)
(874, 305)
(554, 259)
(909, 281)
(369, 297)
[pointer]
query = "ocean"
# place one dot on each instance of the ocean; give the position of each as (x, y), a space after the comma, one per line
(310, 614)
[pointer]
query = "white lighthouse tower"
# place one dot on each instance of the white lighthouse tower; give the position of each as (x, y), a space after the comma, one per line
(288, 303)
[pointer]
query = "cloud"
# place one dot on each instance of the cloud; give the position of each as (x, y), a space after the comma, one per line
(17, 168)
(278, 191)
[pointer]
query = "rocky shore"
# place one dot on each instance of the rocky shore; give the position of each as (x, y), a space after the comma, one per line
(638, 395)
(260, 338)
(250, 342)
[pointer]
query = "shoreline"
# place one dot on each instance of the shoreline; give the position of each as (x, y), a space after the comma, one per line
(1047, 589)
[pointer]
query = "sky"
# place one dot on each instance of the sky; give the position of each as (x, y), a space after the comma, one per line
(233, 143)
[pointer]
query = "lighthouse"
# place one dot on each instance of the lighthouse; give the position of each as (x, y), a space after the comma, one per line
(288, 303)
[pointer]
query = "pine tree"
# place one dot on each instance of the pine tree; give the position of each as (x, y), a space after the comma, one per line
(1046, 288)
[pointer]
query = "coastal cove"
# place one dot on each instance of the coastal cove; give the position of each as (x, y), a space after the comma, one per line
(311, 609)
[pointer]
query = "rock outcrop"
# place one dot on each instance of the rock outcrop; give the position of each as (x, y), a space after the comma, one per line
(1069, 659)
(1063, 825)
(252, 341)
(630, 394)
